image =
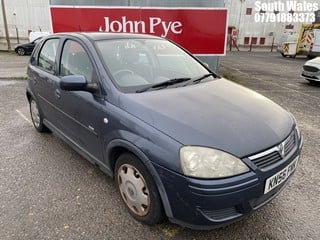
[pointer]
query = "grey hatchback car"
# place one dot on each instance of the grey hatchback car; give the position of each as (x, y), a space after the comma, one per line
(180, 142)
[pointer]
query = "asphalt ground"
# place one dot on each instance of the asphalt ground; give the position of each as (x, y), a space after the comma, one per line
(13, 66)
(48, 191)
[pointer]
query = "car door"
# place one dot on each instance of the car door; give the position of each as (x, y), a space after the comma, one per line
(44, 80)
(83, 111)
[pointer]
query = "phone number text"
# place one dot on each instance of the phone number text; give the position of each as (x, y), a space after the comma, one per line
(284, 17)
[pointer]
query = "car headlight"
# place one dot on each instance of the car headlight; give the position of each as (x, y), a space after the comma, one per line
(202, 162)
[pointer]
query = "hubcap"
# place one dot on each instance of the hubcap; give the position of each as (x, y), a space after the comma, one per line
(35, 113)
(133, 189)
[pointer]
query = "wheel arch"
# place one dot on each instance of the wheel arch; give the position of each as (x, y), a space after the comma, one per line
(119, 146)
(29, 94)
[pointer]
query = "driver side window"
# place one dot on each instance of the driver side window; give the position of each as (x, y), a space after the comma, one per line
(75, 61)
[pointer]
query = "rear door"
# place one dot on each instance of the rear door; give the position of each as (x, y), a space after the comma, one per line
(44, 80)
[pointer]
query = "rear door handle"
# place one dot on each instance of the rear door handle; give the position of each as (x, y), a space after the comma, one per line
(57, 93)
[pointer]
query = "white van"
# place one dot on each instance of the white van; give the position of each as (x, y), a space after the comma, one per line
(289, 37)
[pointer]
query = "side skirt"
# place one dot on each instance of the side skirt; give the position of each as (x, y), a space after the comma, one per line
(84, 153)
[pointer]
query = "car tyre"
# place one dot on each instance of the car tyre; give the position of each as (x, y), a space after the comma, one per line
(21, 51)
(36, 116)
(138, 190)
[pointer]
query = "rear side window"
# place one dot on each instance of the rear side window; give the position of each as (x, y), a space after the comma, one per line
(75, 61)
(48, 54)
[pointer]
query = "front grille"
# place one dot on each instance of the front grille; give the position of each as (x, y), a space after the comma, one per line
(310, 69)
(275, 154)
(310, 77)
(267, 160)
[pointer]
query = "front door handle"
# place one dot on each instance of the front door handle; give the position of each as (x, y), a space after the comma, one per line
(57, 93)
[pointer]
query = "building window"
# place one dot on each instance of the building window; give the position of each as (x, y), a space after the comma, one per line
(262, 41)
(289, 26)
(246, 40)
(249, 11)
(254, 40)
(262, 11)
(291, 12)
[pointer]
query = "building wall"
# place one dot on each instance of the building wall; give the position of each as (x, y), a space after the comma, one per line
(153, 3)
(247, 27)
(212, 61)
(34, 15)
(24, 16)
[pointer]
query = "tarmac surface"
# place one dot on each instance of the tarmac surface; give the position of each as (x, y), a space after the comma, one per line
(48, 191)
(13, 66)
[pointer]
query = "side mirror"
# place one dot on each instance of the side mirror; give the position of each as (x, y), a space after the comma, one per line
(206, 64)
(73, 83)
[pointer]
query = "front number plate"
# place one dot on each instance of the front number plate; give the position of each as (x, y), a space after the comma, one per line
(278, 178)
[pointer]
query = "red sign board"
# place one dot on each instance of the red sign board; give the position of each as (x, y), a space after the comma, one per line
(201, 31)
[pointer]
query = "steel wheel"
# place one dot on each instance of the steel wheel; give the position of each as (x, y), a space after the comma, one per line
(36, 117)
(133, 189)
(138, 190)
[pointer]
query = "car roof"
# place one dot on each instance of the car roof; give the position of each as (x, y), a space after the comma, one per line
(96, 36)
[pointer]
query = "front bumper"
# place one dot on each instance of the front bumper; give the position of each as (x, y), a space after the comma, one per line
(207, 204)
(310, 76)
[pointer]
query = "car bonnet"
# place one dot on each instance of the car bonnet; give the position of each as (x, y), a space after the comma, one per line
(218, 114)
(314, 62)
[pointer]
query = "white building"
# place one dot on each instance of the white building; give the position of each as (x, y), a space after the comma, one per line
(262, 22)
(24, 16)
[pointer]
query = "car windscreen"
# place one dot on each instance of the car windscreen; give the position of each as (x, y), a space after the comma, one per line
(138, 63)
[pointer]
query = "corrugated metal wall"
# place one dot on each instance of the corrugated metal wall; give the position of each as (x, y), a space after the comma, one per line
(153, 3)
(24, 15)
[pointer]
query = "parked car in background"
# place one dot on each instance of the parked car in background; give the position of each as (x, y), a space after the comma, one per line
(311, 70)
(26, 48)
(181, 142)
(35, 34)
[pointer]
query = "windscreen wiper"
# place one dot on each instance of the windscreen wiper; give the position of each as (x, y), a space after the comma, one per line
(198, 79)
(164, 84)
